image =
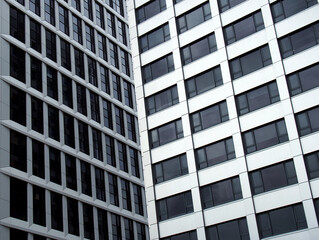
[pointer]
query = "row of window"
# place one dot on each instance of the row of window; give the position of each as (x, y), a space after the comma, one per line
(19, 209)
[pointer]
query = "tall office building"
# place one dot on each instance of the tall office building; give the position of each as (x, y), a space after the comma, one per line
(227, 95)
(70, 161)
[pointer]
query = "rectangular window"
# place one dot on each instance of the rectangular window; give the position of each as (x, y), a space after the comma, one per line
(83, 137)
(128, 229)
(312, 164)
(224, 5)
(107, 113)
(149, 10)
(36, 73)
(63, 20)
(126, 195)
(170, 168)
(92, 71)
(198, 49)
(138, 199)
(122, 32)
(283, 9)
(86, 178)
(243, 27)
(250, 62)
(273, 177)
(166, 133)
(265, 136)
(55, 165)
(18, 151)
(162, 100)
(50, 45)
(235, 229)
(303, 80)
(39, 212)
(128, 93)
(218, 193)
(15, 233)
(73, 216)
(89, 36)
(88, 221)
(18, 199)
(67, 91)
(125, 63)
(117, 90)
(110, 152)
(114, 55)
(81, 99)
(35, 35)
(17, 63)
(154, 38)
(97, 144)
(203, 82)
(52, 83)
(193, 18)
(111, 24)
(68, 130)
(215, 153)
(18, 105)
(100, 184)
(281, 220)
(119, 120)
(257, 98)
(140, 229)
(122, 155)
(117, 5)
(79, 63)
(102, 46)
(65, 54)
(34, 6)
(88, 12)
(56, 211)
(36, 115)
(37, 158)
(70, 170)
(209, 117)
(192, 235)
(308, 121)
(17, 25)
(99, 15)
(131, 127)
(105, 83)
(95, 107)
(135, 166)
(158, 68)
(116, 227)
(77, 29)
(102, 224)
(113, 189)
(174, 206)
(76, 4)
(49, 11)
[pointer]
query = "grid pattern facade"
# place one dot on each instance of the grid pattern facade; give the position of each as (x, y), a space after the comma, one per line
(228, 117)
(70, 152)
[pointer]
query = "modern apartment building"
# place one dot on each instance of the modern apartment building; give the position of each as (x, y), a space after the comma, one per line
(227, 97)
(69, 148)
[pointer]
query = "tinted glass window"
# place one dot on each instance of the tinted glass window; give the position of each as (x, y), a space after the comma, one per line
(149, 10)
(154, 38)
(312, 164)
(308, 121)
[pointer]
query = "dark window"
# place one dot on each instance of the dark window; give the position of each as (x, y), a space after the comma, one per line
(34, 6)
(102, 224)
(128, 229)
(158, 68)
(81, 99)
(83, 137)
(88, 9)
(36, 73)
(37, 158)
(92, 71)
(283, 9)
(52, 83)
(97, 144)
(102, 47)
(17, 63)
(65, 54)
(111, 24)
(171, 168)
(114, 55)
(257, 98)
(86, 178)
(131, 127)
(282, 220)
(113, 189)
(117, 5)
(149, 10)
(177, 1)
(299, 40)
(162, 100)
(303, 80)
(88, 221)
(70, 171)
(308, 121)
(126, 195)
(221, 192)
(18, 151)
(265, 136)
(174, 206)
(38, 237)
(135, 168)
(234, 230)
(140, 229)
(117, 90)
(63, 20)
(17, 25)
(90, 42)
(99, 15)
(35, 35)
(154, 38)
(95, 107)
(122, 32)
(119, 120)
(312, 164)
(56, 211)
(68, 130)
(250, 62)
(125, 63)
(273, 177)
(224, 5)
(76, 4)
(39, 212)
(107, 113)
(55, 165)
(18, 199)
(50, 45)
(215, 153)
(198, 49)
(166, 133)
(192, 235)
(17, 105)
(110, 152)
(49, 10)
(193, 18)
(77, 29)
(67, 91)
(203, 82)
(20, 1)
(122, 155)
(243, 27)
(105, 83)
(209, 117)
(116, 227)
(100, 184)
(36, 114)
(128, 94)
(138, 200)
(18, 234)
(73, 216)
